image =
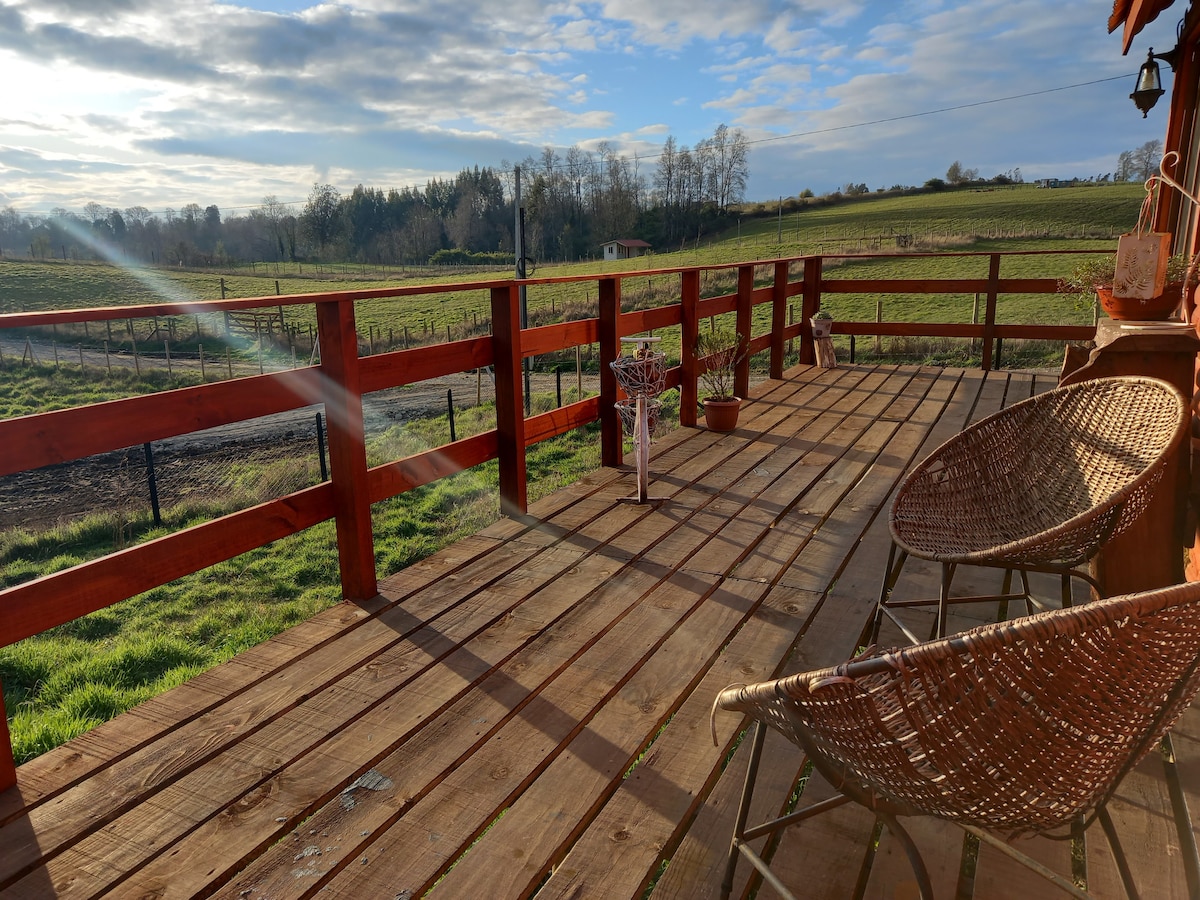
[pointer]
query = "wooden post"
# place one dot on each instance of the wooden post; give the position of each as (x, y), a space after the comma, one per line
(347, 449)
(810, 303)
(745, 321)
(8, 767)
(878, 337)
(689, 331)
(989, 314)
(510, 404)
(778, 318)
(611, 429)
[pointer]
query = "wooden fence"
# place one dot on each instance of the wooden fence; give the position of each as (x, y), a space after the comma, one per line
(343, 377)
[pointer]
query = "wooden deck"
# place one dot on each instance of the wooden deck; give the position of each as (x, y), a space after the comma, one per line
(527, 712)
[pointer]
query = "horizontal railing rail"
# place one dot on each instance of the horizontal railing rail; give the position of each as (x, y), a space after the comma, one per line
(343, 377)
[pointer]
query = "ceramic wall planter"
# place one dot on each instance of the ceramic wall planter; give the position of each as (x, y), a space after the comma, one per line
(721, 415)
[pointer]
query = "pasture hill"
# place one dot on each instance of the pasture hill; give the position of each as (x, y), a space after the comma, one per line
(63, 682)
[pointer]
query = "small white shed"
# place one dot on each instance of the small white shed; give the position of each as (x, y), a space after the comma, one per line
(625, 249)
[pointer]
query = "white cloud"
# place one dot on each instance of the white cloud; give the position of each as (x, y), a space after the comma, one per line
(161, 97)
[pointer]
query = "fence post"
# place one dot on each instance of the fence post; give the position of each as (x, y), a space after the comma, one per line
(8, 766)
(347, 449)
(989, 313)
(878, 321)
(450, 413)
(779, 310)
(611, 429)
(689, 331)
(321, 448)
(810, 303)
(152, 482)
(510, 418)
(745, 322)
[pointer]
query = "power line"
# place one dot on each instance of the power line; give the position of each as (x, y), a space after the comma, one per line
(931, 112)
(815, 131)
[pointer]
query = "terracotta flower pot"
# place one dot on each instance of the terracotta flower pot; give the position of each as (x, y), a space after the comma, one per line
(721, 415)
(1132, 309)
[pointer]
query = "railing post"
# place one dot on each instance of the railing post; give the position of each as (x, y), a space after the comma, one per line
(989, 314)
(510, 402)
(745, 322)
(611, 433)
(810, 303)
(778, 318)
(689, 331)
(8, 767)
(342, 390)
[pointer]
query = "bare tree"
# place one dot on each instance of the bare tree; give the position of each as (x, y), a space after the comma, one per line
(1145, 159)
(319, 220)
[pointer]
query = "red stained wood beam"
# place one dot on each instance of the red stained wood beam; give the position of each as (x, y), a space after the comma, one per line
(347, 450)
(52, 600)
(419, 469)
(30, 442)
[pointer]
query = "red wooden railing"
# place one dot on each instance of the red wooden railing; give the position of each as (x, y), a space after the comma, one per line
(343, 377)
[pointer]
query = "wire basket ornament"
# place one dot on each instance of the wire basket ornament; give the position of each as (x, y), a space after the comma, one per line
(627, 408)
(643, 373)
(642, 376)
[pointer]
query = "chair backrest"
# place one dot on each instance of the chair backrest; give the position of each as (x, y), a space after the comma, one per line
(1063, 470)
(1018, 727)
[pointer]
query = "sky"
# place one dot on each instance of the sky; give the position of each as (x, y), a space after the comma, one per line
(162, 103)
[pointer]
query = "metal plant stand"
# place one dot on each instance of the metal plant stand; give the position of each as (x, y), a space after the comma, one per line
(642, 376)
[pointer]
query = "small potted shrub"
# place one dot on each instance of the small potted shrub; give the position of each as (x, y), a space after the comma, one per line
(822, 324)
(1092, 280)
(721, 351)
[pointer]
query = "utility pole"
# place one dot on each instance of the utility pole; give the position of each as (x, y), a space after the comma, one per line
(519, 248)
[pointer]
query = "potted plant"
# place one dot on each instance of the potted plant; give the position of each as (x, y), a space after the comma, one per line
(822, 324)
(719, 351)
(1093, 279)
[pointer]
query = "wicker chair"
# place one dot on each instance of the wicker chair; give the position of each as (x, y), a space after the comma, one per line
(1016, 728)
(1037, 487)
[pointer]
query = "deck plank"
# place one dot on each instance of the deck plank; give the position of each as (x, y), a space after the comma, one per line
(527, 712)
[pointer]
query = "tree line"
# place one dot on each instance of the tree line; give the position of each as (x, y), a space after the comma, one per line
(572, 203)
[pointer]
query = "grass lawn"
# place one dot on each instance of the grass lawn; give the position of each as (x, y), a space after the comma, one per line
(63, 682)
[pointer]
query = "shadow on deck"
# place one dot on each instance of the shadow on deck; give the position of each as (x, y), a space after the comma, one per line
(527, 712)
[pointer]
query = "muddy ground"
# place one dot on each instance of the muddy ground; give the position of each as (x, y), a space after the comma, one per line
(57, 494)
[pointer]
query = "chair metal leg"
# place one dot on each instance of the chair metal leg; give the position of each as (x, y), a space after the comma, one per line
(1183, 819)
(895, 563)
(1114, 842)
(1027, 861)
(939, 625)
(924, 885)
(739, 827)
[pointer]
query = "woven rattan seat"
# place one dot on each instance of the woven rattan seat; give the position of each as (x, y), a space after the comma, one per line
(1037, 487)
(1022, 727)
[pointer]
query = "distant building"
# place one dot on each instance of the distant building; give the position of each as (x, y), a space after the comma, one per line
(625, 249)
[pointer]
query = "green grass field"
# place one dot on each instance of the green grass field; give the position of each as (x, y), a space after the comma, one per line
(1021, 217)
(66, 681)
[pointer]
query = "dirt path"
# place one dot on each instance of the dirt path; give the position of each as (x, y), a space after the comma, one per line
(114, 481)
